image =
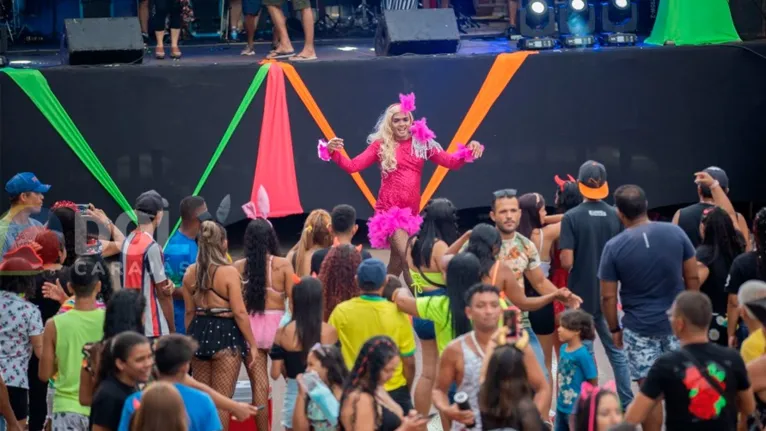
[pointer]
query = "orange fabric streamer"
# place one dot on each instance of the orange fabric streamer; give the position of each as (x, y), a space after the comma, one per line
(275, 166)
(319, 118)
(503, 69)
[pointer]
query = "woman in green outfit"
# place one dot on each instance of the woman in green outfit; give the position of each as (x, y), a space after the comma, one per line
(693, 22)
(427, 248)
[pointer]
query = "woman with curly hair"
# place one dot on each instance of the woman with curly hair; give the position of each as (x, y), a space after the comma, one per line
(365, 404)
(267, 285)
(315, 236)
(338, 276)
(216, 315)
(401, 146)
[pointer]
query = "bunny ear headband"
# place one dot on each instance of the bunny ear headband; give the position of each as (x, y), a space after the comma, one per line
(260, 208)
(589, 393)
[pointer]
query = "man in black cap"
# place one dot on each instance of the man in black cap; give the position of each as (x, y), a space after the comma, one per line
(143, 266)
(585, 230)
(26, 193)
(689, 218)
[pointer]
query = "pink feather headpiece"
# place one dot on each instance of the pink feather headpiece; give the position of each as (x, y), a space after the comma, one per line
(421, 132)
(259, 208)
(407, 103)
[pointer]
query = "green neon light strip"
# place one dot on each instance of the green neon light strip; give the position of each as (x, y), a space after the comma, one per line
(260, 76)
(34, 84)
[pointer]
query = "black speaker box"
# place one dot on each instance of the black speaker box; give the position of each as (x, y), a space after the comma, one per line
(748, 18)
(417, 31)
(91, 41)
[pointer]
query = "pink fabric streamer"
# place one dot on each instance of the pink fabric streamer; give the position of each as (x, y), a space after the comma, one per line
(260, 208)
(383, 224)
(465, 153)
(421, 132)
(322, 151)
(407, 103)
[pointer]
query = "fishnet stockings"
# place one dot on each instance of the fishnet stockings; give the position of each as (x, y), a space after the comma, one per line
(397, 262)
(259, 383)
(220, 373)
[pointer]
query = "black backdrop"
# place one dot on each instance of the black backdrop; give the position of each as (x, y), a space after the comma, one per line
(652, 115)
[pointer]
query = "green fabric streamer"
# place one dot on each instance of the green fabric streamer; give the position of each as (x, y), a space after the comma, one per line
(36, 87)
(249, 95)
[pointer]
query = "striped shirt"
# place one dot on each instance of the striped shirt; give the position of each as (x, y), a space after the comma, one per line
(143, 267)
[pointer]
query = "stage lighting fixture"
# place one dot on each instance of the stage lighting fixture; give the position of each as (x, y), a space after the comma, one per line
(616, 22)
(537, 26)
(577, 24)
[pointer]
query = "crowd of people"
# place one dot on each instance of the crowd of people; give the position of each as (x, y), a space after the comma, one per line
(503, 316)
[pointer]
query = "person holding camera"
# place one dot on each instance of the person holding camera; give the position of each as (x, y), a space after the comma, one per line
(462, 362)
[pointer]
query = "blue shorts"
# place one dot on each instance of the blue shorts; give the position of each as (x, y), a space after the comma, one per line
(251, 7)
(425, 328)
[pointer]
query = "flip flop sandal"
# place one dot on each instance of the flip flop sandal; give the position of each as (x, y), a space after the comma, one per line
(279, 55)
(303, 58)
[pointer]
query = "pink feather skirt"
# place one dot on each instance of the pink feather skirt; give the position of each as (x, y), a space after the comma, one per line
(383, 225)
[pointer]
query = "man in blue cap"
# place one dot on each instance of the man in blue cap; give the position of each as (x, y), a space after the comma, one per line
(370, 315)
(26, 193)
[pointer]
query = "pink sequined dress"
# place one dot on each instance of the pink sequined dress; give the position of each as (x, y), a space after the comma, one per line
(398, 204)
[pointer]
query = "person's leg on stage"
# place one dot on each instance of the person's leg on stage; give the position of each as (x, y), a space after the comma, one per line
(513, 16)
(307, 21)
(397, 262)
(161, 10)
(143, 19)
(283, 48)
(252, 11)
(175, 27)
(235, 16)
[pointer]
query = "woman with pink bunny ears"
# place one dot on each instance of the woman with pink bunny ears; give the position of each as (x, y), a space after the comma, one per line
(401, 146)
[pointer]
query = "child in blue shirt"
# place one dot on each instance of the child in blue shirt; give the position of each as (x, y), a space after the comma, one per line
(575, 365)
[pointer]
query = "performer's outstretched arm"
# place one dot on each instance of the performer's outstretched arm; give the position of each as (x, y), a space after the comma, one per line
(359, 163)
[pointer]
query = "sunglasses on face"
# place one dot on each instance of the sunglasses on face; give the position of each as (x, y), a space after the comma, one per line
(505, 193)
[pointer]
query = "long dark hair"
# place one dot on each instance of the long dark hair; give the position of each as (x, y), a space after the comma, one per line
(439, 223)
(759, 232)
(260, 242)
(718, 232)
(365, 375)
(506, 395)
(331, 358)
(307, 313)
(567, 197)
(124, 312)
(118, 347)
(484, 243)
(338, 276)
(463, 271)
(530, 205)
(66, 221)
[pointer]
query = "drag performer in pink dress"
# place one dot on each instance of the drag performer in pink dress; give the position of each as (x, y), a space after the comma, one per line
(400, 146)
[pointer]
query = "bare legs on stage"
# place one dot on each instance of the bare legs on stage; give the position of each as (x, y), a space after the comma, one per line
(163, 9)
(284, 48)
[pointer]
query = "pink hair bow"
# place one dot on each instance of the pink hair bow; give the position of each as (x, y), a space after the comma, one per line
(260, 208)
(322, 151)
(421, 132)
(589, 392)
(407, 103)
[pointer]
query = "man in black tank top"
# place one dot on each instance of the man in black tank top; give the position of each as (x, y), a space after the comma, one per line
(690, 217)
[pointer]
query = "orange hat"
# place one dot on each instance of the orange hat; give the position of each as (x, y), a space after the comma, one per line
(591, 180)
